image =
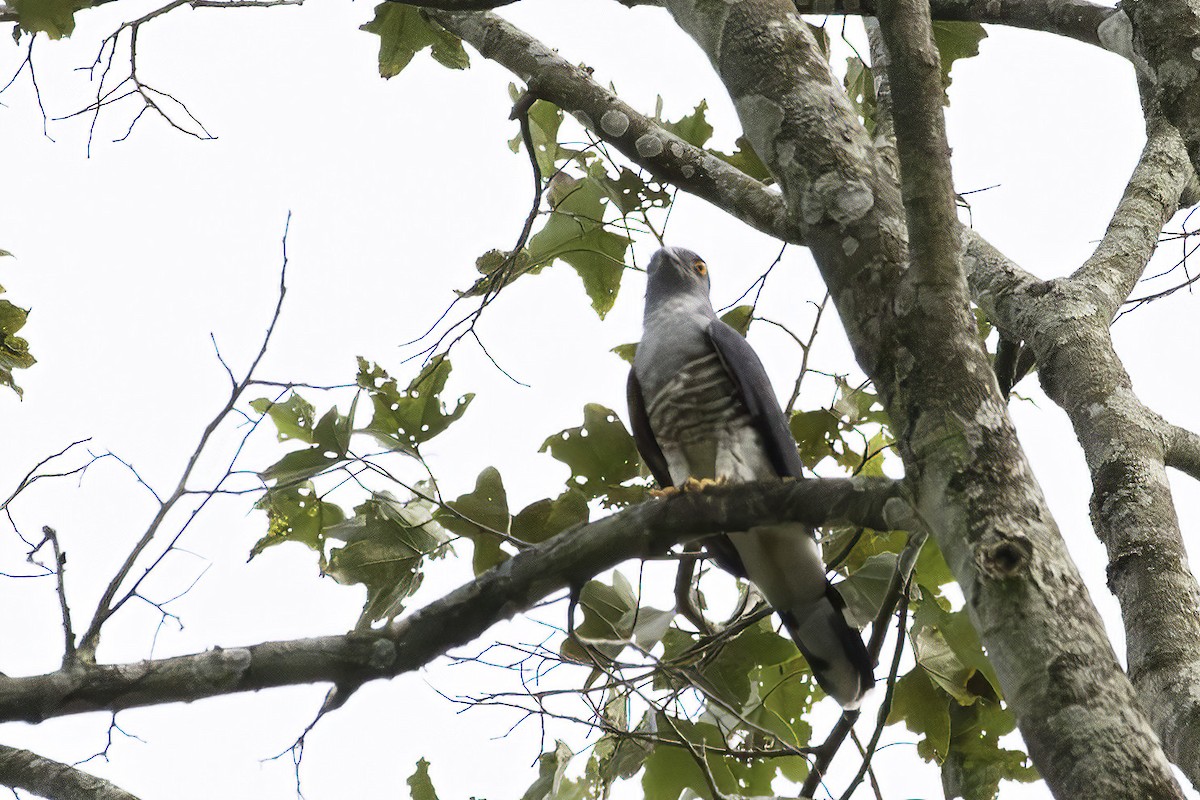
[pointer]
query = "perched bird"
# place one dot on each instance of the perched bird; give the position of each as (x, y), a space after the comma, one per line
(702, 408)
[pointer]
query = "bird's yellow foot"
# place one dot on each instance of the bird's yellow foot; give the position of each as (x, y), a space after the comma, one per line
(700, 484)
(664, 492)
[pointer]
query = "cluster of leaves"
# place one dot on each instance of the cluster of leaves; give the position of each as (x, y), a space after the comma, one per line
(14, 351)
(387, 541)
(594, 205)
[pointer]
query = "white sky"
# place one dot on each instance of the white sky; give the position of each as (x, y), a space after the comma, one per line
(131, 258)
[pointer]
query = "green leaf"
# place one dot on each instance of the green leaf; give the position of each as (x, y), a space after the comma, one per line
(693, 128)
(404, 419)
(745, 159)
(420, 787)
(405, 31)
(631, 193)
(538, 521)
(956, 40)
(552, 783)
(545, 119)
(815, 432)
(729, 672)
(860, 86)
(14, 351)
(608, 612)
(946, 645)
(739, 318)
(976, 763)
(618, 758)
(932, 572)
(625, 352)
(293, 419)
(296, 513)
(55, 18)
(866, 588)
(575, 233)
(386, 544)
(481, 516)
(925, 710)
(601, 455)
(330, 442)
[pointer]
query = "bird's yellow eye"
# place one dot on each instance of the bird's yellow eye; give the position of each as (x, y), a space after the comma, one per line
(700, 267)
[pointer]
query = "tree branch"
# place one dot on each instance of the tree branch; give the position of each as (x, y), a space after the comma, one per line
(1151, 198)
(456, 5)
(1074, 19)
(569, 559)
(1166, 33)
(551, 77)
(21, 769)
(918, 343)
(1183, 451)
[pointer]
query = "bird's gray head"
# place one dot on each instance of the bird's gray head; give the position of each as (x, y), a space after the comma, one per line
(676, 271)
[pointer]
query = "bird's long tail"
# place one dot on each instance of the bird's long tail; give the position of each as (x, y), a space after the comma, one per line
(834, 650)
(785, 563)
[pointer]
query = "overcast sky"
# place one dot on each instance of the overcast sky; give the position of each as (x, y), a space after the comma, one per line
(130, 259)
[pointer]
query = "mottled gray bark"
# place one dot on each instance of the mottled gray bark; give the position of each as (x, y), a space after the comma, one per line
(1127, 445)
(21, 769)
(914, 336)
(1166, 33)
(568, 560)
(1075, 19)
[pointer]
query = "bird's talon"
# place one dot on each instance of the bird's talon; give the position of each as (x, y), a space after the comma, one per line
(666, 491)
(700, 484)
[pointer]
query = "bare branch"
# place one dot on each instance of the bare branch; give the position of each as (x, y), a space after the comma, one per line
(21, 769)
(109, 603)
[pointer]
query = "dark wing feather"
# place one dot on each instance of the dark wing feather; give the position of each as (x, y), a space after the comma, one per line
(744, 367)
(643, 436)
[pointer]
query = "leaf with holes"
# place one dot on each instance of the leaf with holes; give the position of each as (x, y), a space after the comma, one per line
(386, 545)
(600, 453)
(402, 420)
(545, 119)
(860, 87)
(330, 443)
(296, 513)
(625, 352)
(815, 432)
(293, 418)
(405, 31)
(481, 516)
(631, 193)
